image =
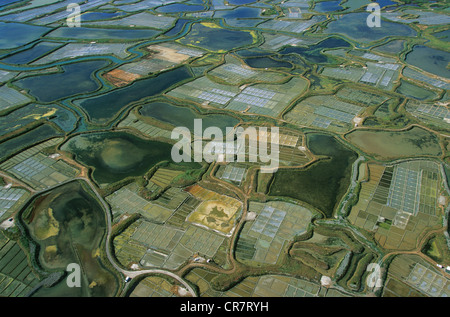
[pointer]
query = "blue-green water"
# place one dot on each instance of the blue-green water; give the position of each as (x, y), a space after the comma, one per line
(243, 23)
(180, 7)
(4, 3)
(393, 47)
(76, 78)
(240, 2)
(95, 16)
(313, 53)
(354, 26)
(216, 39)
(328, 6)
(135, 50)
(443, 35)
(14, 145)
(103, 108)
(184, 117)
(18, 118)
(17, 34)
(266, 62)
(253, 52)
(356, 4)
(82, 33)
(179, 25)
(414, 91)
(31, 54)
(239, 12)
(385, 3)
(429, 59)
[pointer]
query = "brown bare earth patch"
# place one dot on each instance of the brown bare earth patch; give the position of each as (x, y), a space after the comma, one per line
(167, 54)
(120, 78)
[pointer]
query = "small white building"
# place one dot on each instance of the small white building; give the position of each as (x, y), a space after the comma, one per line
(325, 281)
(54, 156)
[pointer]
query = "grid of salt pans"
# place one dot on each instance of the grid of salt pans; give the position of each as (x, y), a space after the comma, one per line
(30, 167)
(334, 114)
(8, 197)
(239, 70)
(233, 173)
(403, 193)
(283, 40)
(259, 92)
(428, 281)
(214, 97)
(435, 111)
(10, 97)
(269, 221)
(411, 73)
(223, 92)
(251, 100)
(386, 79)
(321, 122)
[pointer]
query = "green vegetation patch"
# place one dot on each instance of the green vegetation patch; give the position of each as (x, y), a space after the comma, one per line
(436, 248)
(391, 144)
(116, 155)
(323, 183)
(68, 224)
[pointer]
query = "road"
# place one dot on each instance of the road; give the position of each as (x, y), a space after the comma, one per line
(244, 198)
(137, 273)
(242, 194)
(131, 274)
